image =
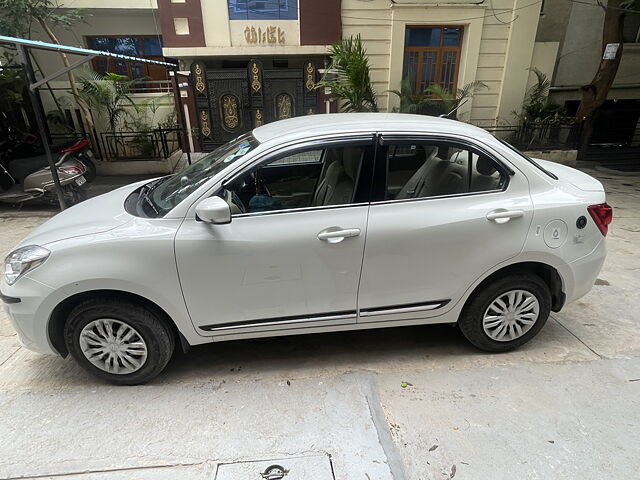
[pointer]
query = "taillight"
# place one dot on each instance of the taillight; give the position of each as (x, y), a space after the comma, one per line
(75, 170)
(602, 214)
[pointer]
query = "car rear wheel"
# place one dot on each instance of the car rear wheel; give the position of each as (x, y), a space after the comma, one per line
(506, 313)
(118, 341)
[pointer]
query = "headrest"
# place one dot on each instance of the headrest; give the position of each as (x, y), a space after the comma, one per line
(430, 151)
(484, 166)
(351, 160)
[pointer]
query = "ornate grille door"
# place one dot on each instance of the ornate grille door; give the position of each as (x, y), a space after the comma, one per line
(230, 102)
(222, 101)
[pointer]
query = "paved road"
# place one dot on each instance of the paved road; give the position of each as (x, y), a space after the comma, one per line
(566, 406)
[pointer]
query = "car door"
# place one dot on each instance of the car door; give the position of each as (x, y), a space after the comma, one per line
(292, 255)
(445, 211)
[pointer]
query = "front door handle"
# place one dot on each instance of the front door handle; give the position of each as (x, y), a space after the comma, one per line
(337, 234)
(503, 216)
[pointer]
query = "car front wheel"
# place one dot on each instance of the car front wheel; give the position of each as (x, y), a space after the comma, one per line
(506, 313)
(119, 341)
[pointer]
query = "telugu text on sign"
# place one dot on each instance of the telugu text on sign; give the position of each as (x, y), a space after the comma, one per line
(267, 35)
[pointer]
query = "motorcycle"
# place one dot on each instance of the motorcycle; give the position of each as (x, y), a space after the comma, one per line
(30, 178)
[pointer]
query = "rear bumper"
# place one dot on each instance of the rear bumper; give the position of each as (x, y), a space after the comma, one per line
(585, 271)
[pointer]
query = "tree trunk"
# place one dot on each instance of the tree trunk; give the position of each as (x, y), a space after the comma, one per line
(595, 93)
(84, 110)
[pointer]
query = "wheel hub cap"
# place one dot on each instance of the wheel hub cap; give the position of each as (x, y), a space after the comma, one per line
(511, 315)
(113, 346)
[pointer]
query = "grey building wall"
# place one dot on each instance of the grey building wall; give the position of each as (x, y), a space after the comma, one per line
(581, 50)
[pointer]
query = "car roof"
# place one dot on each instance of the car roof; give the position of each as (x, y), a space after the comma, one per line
(341, 123)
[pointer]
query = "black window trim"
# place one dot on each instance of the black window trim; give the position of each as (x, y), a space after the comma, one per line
(368, 139)
(383, 139)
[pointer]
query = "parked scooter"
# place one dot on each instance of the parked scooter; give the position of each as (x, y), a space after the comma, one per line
(20, 144)
(80, 150)
(30, 178)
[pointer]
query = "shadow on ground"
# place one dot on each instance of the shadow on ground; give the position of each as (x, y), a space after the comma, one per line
(385, 350)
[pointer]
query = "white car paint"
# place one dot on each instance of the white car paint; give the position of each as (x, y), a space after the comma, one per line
(275, 266)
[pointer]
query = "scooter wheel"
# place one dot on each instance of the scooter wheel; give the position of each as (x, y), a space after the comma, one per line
(91, 172)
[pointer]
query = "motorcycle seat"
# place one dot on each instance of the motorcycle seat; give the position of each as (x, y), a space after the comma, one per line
(21, 168)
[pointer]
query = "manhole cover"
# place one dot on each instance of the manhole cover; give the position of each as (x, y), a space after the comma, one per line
(314, 467)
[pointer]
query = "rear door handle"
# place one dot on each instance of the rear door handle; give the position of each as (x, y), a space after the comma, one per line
(337, 234)
(503, 216)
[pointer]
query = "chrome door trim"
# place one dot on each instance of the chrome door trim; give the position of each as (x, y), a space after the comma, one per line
(274, 322)
(407, 308)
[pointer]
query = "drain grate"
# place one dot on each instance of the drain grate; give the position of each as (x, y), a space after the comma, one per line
(312, 467)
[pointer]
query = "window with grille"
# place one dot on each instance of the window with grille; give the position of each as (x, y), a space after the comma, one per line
(432, 56)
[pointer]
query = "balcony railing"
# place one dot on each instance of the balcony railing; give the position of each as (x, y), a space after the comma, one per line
(538, 137)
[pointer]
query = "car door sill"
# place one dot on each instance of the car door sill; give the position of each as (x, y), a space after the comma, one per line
(405, 308)
(336, 318)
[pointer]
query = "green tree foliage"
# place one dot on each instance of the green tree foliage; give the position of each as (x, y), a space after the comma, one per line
(18, 16)
(349, 76)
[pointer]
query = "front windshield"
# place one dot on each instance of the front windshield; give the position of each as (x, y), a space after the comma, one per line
(170, 191)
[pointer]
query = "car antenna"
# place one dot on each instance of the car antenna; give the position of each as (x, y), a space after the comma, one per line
(446, 115)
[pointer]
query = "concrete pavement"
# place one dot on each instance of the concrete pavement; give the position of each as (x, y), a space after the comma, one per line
(567, 405)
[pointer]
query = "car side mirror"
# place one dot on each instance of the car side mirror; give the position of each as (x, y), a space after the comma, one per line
(213, 210)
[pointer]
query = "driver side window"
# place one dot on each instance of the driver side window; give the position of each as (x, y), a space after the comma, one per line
(307, 178)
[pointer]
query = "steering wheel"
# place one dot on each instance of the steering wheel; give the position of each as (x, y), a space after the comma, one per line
(233, 199)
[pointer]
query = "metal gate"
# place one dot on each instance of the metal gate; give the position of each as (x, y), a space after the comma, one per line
(230, 102)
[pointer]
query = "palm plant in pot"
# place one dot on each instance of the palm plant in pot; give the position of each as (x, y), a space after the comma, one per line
(435, 100)
(349, 78)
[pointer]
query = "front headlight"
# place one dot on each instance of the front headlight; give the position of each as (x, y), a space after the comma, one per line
(23, 259)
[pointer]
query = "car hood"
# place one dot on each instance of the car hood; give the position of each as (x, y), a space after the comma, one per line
(571, 175)
(95, 215)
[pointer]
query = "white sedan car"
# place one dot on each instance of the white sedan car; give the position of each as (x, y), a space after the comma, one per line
(314, 224)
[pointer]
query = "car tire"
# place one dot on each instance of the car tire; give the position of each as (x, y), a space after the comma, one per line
(482, 323)
(143, 351)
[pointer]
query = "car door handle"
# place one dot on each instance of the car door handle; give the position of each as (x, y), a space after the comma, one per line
(333, 235)
(503, 216)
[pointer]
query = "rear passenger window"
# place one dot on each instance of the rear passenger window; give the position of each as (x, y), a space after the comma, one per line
(421, 170)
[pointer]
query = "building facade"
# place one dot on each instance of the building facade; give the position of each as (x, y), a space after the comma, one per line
(246, 62)
(250, 62)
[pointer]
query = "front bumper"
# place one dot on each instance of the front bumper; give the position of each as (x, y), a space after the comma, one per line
(28, 305)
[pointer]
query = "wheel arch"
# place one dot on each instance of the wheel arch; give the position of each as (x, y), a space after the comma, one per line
(59, 315)
(546, 272)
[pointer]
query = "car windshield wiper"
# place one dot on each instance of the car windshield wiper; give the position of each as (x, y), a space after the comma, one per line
(144, 195)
